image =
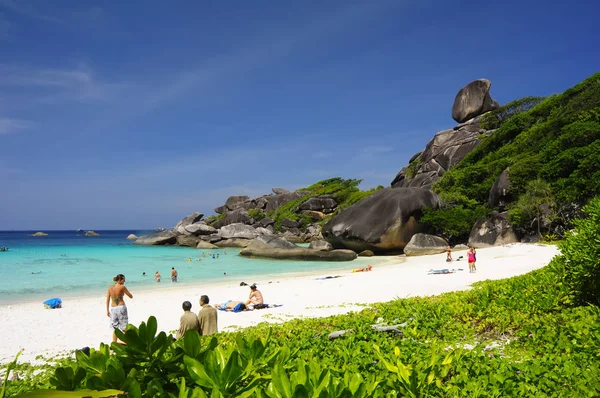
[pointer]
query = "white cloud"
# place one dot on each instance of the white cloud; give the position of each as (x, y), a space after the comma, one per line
(9, 126)
(57, 85)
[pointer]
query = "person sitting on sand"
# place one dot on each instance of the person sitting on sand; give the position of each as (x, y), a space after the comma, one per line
(448, 254)
(255, 297)
(231, 305)
(157, 276)
(118, 311)
(365, 269)
(207, 317)
(188, 321)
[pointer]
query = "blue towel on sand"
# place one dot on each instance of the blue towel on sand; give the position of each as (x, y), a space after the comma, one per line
(53, 303)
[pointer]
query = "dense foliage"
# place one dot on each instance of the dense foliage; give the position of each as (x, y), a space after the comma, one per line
(497, 117)
(580, 261)
(557, 141)
(345, 192)
(522, 336)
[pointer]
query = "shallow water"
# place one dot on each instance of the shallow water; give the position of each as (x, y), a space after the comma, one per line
(67, 263)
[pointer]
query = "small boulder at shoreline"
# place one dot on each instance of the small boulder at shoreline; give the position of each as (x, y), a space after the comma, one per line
(39, 234)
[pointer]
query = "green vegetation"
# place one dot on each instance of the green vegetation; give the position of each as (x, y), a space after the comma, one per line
(256, 214)
(345, 192)
(580, 262)
(556, 141)
(496, 118)
(536, 202)
(523, 336)
(413, 167)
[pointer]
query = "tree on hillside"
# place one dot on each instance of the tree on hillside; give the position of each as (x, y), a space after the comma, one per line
(536, 202)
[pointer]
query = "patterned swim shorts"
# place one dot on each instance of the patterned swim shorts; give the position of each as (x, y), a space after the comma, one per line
(118, 317)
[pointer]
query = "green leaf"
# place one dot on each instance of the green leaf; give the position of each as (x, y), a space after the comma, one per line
(197, 373)
(67, 394)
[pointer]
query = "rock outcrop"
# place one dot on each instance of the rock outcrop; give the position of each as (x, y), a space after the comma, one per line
(39, 234)
(200, 228)
(234, 217)
(444, 151)
(320, 245)
(92, 233)
(237, 231)
(187, 220)
(473, 100)
(279, 248)
(382, 222)
(187, 240)
(167, 237)
(324, 204)
(424, 244)
(132, 237)
(500, 194)
(492, 231)
(206, 245)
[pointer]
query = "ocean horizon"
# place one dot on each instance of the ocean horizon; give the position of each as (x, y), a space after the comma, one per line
(66, 263)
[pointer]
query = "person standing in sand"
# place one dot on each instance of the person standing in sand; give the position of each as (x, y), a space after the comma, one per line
(448, 254)
(207, 317)
(188, 321)
(118, 310)
(471, 259)
(256, 297)
(173, 274)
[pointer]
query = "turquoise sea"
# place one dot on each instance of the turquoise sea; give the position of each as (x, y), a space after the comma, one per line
(67, 263)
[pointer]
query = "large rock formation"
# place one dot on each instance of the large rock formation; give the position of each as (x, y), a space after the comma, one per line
(492, 231)
(276, 201)
(324, 204)
(444, 151)
(279, 248)
(423, 244)
(320, 245)
(473, 100)
(187, 220)
(234, 217)
(238, 231)
(500, 194)
(200, 228)
(382, 222)
(167, 237)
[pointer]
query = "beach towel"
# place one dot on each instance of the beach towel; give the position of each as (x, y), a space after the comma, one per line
(240, 307)
(53, 303)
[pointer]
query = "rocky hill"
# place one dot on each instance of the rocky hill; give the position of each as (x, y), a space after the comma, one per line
(494, 178)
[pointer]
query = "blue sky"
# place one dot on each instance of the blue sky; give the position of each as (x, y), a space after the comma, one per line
(133, 114)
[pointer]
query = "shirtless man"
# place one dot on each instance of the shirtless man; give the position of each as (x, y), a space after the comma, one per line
(157, 276)
(255, 296)
(117, 311)
(173, 274)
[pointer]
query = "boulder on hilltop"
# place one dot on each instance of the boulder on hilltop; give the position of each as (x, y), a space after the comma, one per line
(473, 100)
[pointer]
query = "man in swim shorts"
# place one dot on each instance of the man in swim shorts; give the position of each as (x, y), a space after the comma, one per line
(173, 274)
(157, 276)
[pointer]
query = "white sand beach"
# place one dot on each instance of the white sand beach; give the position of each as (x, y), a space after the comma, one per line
(83, 322)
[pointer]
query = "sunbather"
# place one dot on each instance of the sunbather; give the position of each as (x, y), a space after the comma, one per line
(231, 305)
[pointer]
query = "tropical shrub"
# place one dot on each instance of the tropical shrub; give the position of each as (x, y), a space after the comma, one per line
(580, 259)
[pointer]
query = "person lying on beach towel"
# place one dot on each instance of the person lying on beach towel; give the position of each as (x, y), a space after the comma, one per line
(365, 269)
(231, 305)
(328, 277)
(441, 271)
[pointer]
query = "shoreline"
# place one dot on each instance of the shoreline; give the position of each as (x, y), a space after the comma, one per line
(82, 322)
